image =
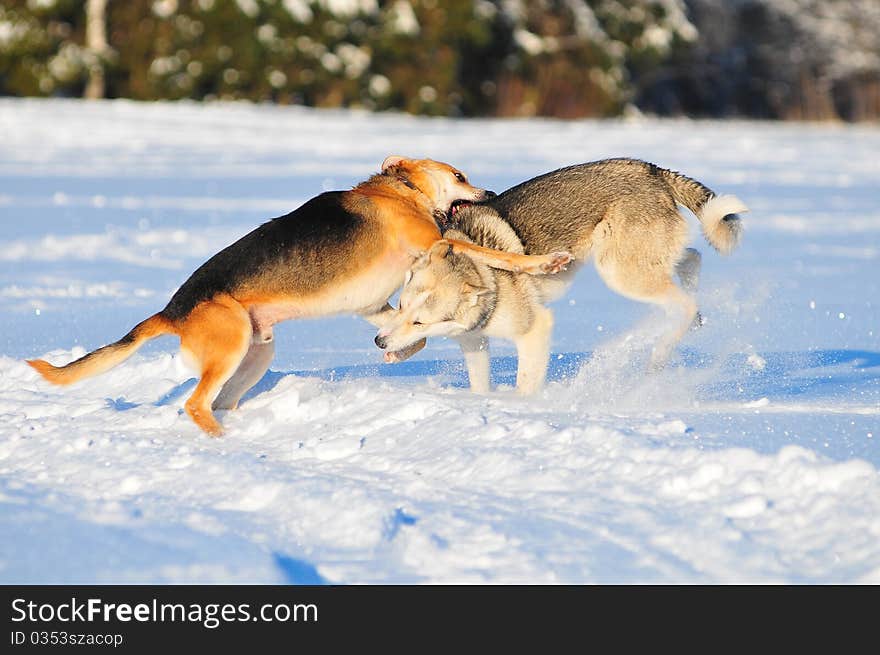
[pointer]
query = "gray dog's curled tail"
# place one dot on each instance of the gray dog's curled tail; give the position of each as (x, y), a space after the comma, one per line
(719, 215)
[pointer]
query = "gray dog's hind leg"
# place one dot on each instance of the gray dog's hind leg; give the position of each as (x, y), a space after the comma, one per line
(678, 305)
(688, 270)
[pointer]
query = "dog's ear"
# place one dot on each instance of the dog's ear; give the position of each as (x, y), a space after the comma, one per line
(392, 160)
(418, 265)
(440, 250)
(473, 292)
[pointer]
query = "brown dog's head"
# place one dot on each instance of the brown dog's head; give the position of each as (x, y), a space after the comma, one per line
(445, 187)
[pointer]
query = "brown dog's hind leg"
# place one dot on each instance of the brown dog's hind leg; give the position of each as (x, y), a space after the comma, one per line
(216, 335)
(251, 370)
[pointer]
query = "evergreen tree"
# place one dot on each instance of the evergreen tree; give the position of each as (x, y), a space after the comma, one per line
(566, 58)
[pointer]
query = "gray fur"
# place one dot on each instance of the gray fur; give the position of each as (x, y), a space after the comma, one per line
(622, 212)
(559, 210)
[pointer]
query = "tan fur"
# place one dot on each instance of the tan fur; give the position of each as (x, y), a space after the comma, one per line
(225, 313)
(105, 358)
(216, 336)
(442, 297)
(622, 212)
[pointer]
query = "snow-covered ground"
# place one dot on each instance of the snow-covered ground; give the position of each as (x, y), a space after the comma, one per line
(753, 458)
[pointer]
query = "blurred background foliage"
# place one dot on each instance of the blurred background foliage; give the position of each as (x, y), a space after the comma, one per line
(785, 59)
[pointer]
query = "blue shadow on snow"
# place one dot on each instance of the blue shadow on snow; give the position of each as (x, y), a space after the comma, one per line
(297, 571)
(784, 375)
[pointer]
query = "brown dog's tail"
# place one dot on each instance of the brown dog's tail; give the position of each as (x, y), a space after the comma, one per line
(722, 226)
(105, 358)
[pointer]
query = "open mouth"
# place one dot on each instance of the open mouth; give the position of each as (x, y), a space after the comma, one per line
(444, 219)
(456, 205)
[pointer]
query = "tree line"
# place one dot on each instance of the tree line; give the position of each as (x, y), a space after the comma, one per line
(798, 59)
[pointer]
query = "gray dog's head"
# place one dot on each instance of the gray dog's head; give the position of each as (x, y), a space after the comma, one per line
(441, 297)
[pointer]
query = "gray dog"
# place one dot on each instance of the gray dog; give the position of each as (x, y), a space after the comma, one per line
(623, 212)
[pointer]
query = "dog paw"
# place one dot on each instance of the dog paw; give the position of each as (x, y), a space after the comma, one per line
(405, 353)
(556, 262)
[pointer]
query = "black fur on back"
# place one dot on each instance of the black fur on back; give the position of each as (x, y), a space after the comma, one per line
(295, 249)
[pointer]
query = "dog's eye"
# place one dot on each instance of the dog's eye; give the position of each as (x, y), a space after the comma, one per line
(417, 323)
(461, 178)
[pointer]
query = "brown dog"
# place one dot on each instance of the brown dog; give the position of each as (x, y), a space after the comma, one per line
(340, 252)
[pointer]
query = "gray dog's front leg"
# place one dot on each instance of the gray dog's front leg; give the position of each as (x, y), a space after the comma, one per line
(475, 349)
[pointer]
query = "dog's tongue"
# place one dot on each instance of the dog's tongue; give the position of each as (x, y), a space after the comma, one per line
(458, 204)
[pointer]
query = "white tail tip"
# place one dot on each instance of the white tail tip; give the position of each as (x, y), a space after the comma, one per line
(724, 235)
(720, 206)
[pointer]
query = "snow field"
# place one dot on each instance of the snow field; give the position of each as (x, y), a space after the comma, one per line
(753, 458)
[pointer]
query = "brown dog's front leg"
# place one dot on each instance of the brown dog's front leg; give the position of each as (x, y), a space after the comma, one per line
(404, 353)
(381, 317)
(514, 262)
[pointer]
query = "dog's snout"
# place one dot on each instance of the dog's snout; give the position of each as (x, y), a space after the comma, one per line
(488, 195)
(382, 342)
